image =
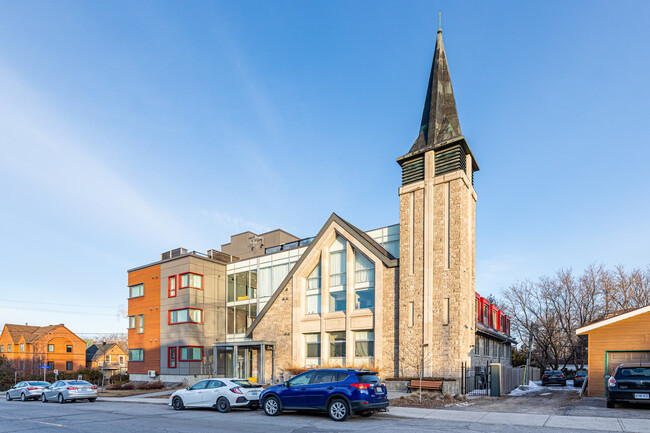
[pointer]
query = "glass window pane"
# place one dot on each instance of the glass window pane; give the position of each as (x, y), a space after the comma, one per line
(365, 298)
(265, 282)
(252, 287)
(313, 304)
(241, 284)
(230, 318)
(337, 344)
(241, 314)
(337, 301)
(231, 288)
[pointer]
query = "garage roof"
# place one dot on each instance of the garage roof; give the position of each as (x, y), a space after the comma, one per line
(600, 324)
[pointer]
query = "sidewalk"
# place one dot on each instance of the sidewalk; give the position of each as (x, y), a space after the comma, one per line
(525, 419)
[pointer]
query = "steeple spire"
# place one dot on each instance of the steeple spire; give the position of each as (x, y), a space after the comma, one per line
(439, 118)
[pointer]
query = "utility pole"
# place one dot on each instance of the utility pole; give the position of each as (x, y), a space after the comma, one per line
(530, 343)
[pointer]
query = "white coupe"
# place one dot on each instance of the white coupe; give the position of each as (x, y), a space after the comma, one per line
(221, 394)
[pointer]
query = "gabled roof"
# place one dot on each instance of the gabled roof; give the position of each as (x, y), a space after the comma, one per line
(611, 320)
(97, 350)
(361, 237)
(29, 333)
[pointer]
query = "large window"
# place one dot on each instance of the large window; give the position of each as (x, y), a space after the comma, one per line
(68, 365)
(136, 291)
(190, 280)
(131, 322)
(337, 274)
(136, 355)
(140, 323)
(191, 353)
(50, 348)
(266, 282)
(364, 285)
(337, 344)
(240, 317)
(171, 286)
(364, 343)
(22, 347)
(312, 342)
(312, 296)
(171, 357)
(185, 315)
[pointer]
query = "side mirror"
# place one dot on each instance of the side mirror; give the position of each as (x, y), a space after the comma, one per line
(286, 384)
(188, 388)
(13, 387)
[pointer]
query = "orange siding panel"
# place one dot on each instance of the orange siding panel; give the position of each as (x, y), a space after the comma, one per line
(149, 305)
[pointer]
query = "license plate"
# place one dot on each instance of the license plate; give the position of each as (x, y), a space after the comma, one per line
(642, 396)
(379, 390)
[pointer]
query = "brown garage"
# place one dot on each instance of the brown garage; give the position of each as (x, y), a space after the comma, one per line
(624, 338)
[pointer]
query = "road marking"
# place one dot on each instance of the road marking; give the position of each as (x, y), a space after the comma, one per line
(30, 420)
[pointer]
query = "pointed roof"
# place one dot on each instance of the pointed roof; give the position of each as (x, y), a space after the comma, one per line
(30, 333)
(360, 236)
(439, 127)
(439, 117)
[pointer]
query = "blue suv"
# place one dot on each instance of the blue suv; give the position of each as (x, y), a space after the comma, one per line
(337, 391)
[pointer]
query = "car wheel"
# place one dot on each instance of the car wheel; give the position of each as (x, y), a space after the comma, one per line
(8, 397)
(43, 398)
(92, 400)
(338, 410)
(611, 404)
(61, 399)
(366, 413)
(272, 406)
(223, 405)
(23, 397)
(177, 403)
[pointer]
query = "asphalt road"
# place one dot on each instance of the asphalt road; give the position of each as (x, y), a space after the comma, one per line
(112, 417)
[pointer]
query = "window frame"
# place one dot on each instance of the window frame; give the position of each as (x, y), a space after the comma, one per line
(180, 354)
(22, 347)
(189, 316)
(132, 316)
(364, 341)
(332, 344)
(69, 366)
(131, 291)
(107, 358)
(366, 286)
(316, 291)
(315, 343)
(169, 358)
(68, 346)
(140, 350)
(49, 346)
(180, 276)
(169, 286)
(139, 323)
(50, 364)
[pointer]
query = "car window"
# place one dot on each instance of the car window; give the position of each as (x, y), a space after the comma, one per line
(79, 382)
(215, 384)
(302, 379)
(20, 385)
(557, 373)
(367, 378)
(38, 383)
(325, 377)
(635, 372)
(200, 385)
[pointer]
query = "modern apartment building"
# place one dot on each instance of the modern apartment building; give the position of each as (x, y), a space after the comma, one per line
(398, 298)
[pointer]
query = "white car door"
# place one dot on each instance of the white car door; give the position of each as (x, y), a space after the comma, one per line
(194, 395)
(213, 392)
(14, 392)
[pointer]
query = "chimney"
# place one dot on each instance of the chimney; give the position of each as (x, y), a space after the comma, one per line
(103, 343)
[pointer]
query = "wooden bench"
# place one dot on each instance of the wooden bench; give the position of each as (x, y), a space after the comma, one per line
(428, 385)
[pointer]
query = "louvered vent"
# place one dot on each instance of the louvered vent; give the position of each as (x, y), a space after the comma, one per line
(449, 160)
(413, 170)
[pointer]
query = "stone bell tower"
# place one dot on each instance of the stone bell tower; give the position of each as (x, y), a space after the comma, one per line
(437, 242)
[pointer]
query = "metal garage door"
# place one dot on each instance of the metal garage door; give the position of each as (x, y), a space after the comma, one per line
(614, 359)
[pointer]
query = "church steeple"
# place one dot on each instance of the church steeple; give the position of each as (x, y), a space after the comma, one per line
(439, 118)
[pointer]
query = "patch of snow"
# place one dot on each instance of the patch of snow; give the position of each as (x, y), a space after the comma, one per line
(525, 389)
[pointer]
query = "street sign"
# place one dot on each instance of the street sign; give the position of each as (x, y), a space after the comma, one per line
(56, 371)
(44, 367)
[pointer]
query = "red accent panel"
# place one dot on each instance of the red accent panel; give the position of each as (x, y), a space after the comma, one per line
(169, 317)
(190, 287)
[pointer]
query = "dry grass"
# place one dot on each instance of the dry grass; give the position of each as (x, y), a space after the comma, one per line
(295, 369)
(430, 400)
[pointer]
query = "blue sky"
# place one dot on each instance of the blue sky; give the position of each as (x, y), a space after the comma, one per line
(131, 128)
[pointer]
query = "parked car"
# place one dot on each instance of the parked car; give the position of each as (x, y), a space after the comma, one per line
(553, 377)
(579, 378)
(339, 392)
(27, 390)
(221, 394)
(629, 382)
(69, 390)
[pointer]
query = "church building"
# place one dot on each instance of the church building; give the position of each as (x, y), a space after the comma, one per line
(396, 299)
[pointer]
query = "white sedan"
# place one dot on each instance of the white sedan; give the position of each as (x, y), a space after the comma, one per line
(221, 394)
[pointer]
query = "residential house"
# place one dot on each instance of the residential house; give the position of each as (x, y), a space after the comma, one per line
(111, 357)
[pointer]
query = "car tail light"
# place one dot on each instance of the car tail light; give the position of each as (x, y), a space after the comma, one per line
(545, 376)
(562, 376)
(236, 390)
(611, 382)
(31, 388)
(71, 387)
(361, 385)
(93, 387)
